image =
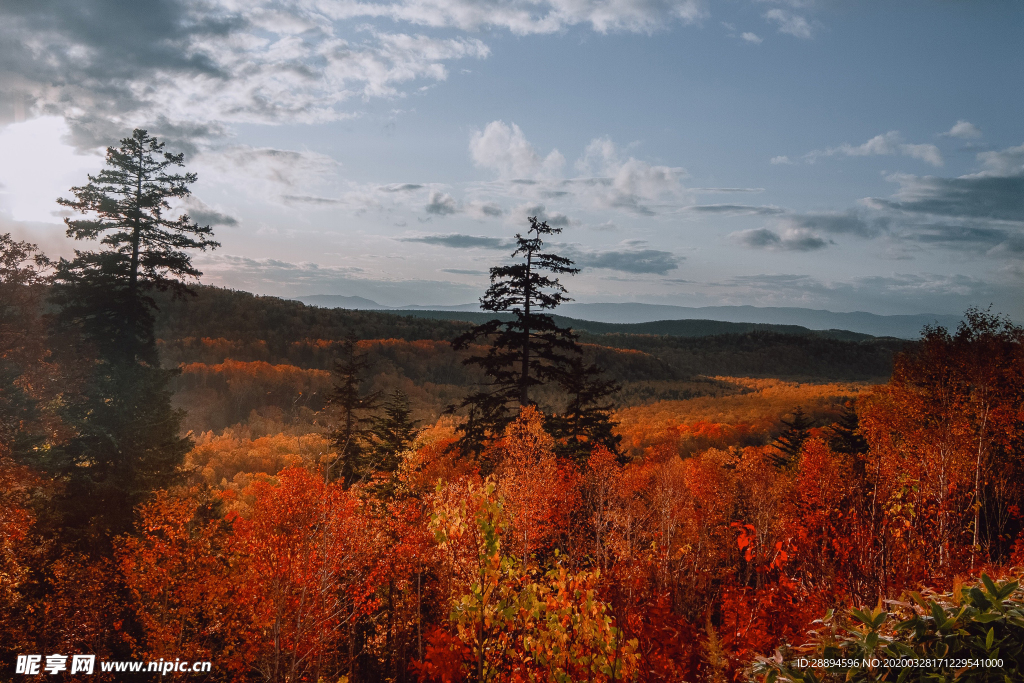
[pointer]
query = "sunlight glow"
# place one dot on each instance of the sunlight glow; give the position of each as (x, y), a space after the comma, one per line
(37, 166)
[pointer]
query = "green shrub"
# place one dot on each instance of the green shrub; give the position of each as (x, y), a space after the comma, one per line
(974, 634)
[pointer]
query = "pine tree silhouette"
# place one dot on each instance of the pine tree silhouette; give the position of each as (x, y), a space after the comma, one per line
(354, 410)
(844, 434)
(127, 441)
(526, 351)
(126, 208)
(791, 440)
(586, 420)
(389, 435)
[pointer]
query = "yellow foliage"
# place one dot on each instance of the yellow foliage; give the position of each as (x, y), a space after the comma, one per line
(221, 459)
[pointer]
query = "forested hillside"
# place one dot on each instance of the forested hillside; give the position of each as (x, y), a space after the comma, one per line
(241, 353)
(675, 328)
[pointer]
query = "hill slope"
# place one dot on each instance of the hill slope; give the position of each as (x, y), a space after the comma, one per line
(688, 347)
(259, 359)
(902, 326)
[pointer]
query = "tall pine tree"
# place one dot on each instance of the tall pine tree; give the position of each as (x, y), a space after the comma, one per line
(127, 438)
(526, 351)
(844, 434)
(791, 441)
(586, 420)
(353, 417)
(389, 435)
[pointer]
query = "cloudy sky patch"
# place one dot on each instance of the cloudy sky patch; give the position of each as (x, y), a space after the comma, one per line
(693, 152)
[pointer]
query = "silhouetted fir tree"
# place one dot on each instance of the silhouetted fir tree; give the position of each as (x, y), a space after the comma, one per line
(586, 420)
(846, 440)
(391, 433)
(791, 440)
(388, 436)
(127, 439)
(353, 409)
(126, 208)
(528, 350)
(844, 434)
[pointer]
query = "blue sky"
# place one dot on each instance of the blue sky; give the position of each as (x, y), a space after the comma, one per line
(838, 155)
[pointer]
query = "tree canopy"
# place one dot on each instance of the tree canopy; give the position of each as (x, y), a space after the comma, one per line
(127, 208)
(530, 350)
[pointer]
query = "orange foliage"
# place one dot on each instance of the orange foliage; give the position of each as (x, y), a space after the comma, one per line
(539, 490)
(304, 574)
(750, 417)
(16, 549)
(700, 546)
(175, 570)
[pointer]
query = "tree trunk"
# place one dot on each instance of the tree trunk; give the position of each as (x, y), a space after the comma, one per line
(977, 483)
(137, 231)
(524, 381)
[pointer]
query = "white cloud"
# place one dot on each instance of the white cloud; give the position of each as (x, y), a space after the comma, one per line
(518, 215)
(880, 145)
(528, 181)
(504, 149)
(964, 130)
(782, 159)
(630, 183)
(299, 79)
(793, 24)
(266, 61)
(925, 152)
(523, 17)
(210, 62)
(1006, 162)
(752, 38)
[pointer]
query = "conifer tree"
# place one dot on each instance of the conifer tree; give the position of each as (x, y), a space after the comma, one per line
(525, 351)
(586, 420)
(354, 416)
(389, 435)
(127, 208)
(790, 442)
(127, 439)
(844, 434)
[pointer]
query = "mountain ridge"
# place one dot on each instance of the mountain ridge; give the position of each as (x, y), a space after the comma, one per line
(907, 326)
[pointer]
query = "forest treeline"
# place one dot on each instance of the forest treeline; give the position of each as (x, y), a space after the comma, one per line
(753, 350)
(674, 328)
(316, 525)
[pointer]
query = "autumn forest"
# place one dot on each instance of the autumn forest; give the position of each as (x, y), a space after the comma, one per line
(303, 494)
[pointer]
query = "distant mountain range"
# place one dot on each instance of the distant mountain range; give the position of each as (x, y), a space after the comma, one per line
(901, 326)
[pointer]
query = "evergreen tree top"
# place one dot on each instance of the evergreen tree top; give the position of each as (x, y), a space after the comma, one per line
(126, 207)
(519, 286)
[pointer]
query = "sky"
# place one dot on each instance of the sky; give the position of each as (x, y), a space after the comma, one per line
(841, 155)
